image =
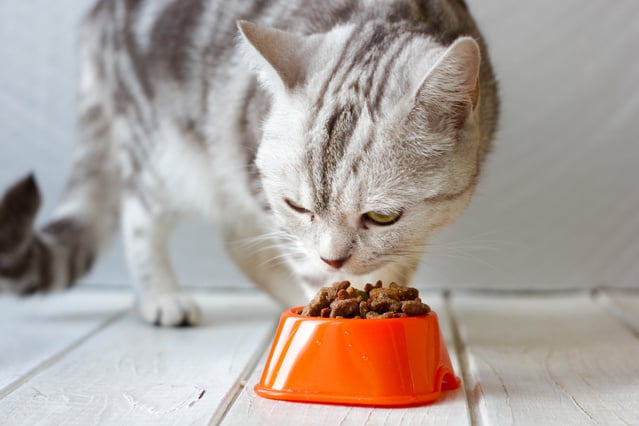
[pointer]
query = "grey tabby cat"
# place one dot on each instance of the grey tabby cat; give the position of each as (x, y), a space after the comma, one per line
(329, 138)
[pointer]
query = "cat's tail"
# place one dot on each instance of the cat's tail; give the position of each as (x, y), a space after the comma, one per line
(54, 256)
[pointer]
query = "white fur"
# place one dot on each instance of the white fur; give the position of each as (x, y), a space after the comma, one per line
(407, 168)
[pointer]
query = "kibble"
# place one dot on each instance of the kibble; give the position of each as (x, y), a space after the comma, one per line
(341, 300)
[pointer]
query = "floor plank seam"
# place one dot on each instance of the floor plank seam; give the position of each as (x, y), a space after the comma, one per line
(235, 391)
(462, 356)
(44, 365)
(601, 299)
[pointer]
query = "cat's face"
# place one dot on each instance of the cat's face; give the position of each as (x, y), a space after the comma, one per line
(378, 202)
(360, 169)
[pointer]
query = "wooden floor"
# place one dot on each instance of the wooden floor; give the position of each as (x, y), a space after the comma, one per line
(84, 358)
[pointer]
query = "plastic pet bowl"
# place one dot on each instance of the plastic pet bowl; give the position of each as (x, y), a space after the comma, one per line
(393, 362)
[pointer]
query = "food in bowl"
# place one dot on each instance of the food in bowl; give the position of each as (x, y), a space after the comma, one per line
(341, 300)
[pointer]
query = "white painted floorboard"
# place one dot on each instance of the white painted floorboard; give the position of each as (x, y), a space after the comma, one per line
(36, 330)
(83, 358)
(135, 374)
(451, 409)
(623, 306)
(556, 360)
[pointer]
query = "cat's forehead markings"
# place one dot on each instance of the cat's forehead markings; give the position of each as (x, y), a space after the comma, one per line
(365, 91)
(325, 155)
(372, 39)
(353, 77)
(319, 103)
(363, 152)
(362, 44)
(393, 55)
(364, 66)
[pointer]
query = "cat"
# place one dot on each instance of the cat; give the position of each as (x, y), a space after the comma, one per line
(329, 139)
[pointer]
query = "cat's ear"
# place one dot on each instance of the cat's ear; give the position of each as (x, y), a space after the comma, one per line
(281, 58)
(450, 90)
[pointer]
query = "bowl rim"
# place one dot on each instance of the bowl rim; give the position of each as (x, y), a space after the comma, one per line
(292, 312)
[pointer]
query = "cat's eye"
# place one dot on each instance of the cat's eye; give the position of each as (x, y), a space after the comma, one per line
(382, 218)
(295, 206)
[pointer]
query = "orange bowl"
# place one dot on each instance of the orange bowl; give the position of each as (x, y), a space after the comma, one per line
(392, 362)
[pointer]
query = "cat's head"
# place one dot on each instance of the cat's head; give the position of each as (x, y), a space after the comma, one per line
(371, 143)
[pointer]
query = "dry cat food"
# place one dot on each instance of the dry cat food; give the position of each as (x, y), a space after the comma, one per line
(343, 301)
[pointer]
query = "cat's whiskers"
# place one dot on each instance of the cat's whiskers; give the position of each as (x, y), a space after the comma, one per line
(468, 249)
(280, 259)
(278, 241)
(259, 249)
(404, 275)
(277, 235)
(469, 243)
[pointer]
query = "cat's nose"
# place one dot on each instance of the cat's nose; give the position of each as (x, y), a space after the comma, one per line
(335, 263)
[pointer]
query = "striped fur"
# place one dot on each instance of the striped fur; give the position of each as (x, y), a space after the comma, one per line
(348, 107)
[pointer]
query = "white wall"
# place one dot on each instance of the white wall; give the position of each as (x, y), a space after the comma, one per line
(557, 203)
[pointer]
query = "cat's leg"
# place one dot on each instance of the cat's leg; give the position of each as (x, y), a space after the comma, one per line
(261, 260)
(146, 236)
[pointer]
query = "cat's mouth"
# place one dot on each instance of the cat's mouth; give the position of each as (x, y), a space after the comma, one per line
(325, 272)
(349, 267)
(316, 269)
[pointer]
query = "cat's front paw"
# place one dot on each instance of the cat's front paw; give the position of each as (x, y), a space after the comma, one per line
(170, 309)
